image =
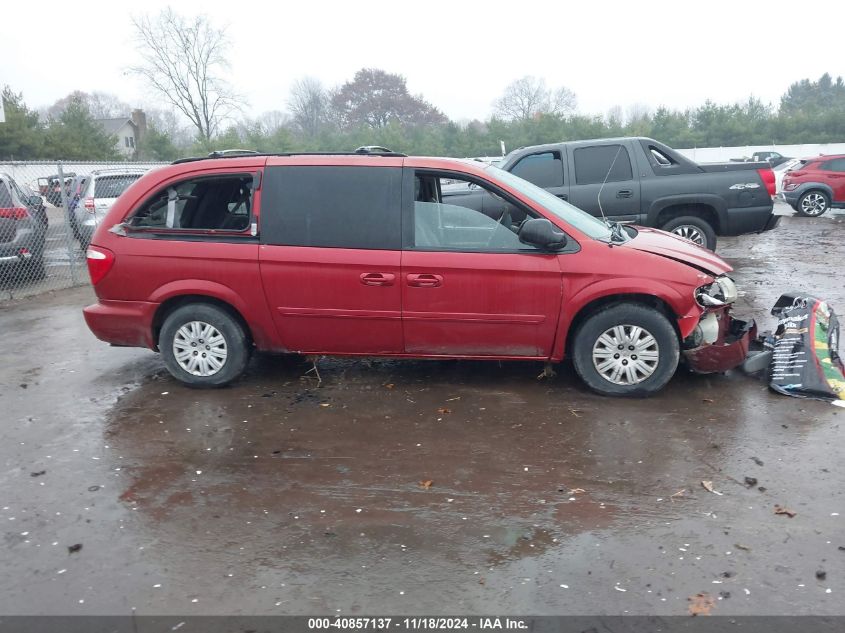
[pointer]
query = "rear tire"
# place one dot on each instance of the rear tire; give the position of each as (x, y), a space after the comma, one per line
(611, 371)
(693, 228)
(203, 346)
(812, 204)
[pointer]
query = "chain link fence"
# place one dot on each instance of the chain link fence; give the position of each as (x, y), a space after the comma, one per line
(48, 212)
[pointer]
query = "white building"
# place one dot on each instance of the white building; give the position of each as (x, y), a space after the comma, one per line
(127, 130)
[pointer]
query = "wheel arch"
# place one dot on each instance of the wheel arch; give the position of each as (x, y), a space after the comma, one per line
(666, 210)
(682, 315)
(171, 304)
(807, 187)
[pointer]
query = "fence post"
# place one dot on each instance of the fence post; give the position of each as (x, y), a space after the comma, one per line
(68, 229)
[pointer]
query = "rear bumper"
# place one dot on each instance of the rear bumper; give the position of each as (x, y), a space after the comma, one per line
(750, 220)
(126, 323)
(729, 351)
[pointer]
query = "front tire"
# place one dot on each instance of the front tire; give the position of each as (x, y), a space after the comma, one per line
(626, 349)
(693, 228)
(203, 346)
(812, 204)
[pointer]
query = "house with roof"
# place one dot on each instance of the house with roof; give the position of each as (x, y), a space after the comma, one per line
(128, 131)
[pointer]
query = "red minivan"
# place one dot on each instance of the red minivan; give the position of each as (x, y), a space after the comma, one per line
(209, 259)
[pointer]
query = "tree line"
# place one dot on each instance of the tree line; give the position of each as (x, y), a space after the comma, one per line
(201, 112)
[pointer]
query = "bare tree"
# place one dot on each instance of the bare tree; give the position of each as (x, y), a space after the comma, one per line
(182, 60)
(529, 97)
(104, 105)
(101, 105)
(171, 123)
(308, 105)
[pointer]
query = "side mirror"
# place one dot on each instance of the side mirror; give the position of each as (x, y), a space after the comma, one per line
(35, 201)
(541, 233)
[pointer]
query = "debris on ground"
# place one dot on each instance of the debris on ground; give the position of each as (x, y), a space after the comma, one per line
(426, 484)
(93, 488)
(38, 473)
(708, 486)
(678, 494)
(73, 549)
(757, 461)
(444, 410)
(821, 574)
(808, 328)
(782, 510)
(701, 604)
(548, 372)
(750, 481)
(744, 548)
(313, 360)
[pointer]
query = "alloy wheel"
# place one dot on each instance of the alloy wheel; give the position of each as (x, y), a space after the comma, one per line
(691, 233)
(813, 204)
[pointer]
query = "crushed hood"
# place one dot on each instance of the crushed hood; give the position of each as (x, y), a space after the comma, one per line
(677, 248)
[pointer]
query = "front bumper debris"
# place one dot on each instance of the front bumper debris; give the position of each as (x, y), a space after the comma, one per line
(728, 351)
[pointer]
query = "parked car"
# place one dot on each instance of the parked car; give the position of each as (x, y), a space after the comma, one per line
(50, 187)
(23, 226)
(207, 260)
(782, 169)
(643, 181)
(92, 195)
(816, 186)
(773, 158)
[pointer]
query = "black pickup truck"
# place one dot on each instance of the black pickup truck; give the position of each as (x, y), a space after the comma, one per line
(642, 181)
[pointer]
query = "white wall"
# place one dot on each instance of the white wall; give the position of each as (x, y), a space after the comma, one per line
(724, 154)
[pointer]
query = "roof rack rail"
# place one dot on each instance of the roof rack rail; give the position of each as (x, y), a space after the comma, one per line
(366, 150)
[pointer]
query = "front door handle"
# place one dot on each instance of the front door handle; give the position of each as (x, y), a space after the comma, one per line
(562, 196)
(425, 281)
(624, 193)
(377, 279)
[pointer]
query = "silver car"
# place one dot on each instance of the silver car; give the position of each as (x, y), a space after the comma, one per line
(23, 227)
(93, 196)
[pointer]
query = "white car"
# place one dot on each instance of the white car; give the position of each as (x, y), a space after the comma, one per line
(98, 192)
(781, 170)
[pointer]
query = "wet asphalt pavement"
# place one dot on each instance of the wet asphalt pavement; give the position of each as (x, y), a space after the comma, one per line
(416, 487)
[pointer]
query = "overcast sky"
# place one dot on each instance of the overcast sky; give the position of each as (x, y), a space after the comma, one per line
(459, 54)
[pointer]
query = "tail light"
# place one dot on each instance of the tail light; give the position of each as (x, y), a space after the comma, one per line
(13, 213)
(89, 205)
(768, 178)
(100, 262)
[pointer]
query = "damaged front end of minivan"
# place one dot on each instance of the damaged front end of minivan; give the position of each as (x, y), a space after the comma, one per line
(719, 342)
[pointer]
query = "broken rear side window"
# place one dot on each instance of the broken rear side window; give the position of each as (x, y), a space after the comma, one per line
(220, 203)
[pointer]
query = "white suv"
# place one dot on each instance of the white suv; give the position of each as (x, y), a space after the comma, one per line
(97, 194)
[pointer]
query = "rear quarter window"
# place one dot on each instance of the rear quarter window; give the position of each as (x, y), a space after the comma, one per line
(332, 207)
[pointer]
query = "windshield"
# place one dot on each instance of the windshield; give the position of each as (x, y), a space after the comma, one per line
(584, 222)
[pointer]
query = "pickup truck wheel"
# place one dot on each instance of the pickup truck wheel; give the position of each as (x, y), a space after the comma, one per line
(812, 204)
(203, 346)
(694, 229)
(626, 349)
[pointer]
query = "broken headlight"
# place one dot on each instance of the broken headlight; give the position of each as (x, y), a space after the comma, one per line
(721, 292)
